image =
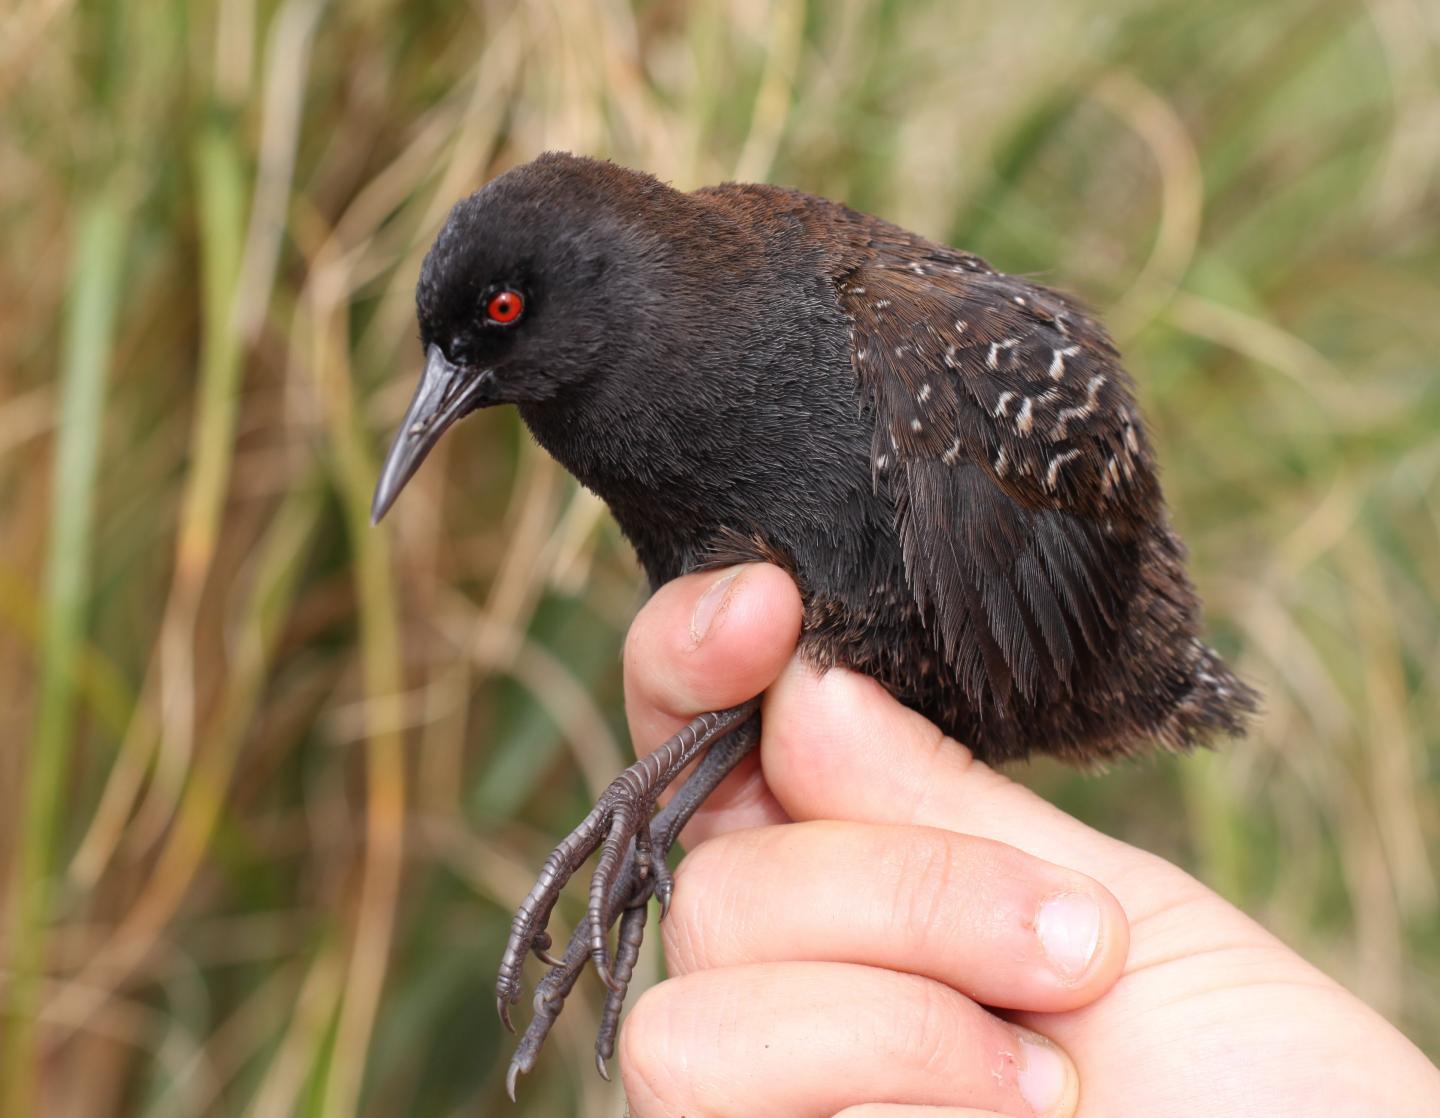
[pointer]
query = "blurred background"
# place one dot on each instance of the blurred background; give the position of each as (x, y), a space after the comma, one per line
(272, 780)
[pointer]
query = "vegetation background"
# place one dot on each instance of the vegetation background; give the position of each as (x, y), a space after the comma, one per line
(273, 780)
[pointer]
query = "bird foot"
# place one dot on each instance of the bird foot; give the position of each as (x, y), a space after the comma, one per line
(630, 869)
(631, 893)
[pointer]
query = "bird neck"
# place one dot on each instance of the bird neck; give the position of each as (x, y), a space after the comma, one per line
(685, 453)
(671, 477)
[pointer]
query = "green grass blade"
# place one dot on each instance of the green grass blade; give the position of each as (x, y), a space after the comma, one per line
(96, 274)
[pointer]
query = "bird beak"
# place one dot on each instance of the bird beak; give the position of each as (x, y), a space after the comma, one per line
(447, 392)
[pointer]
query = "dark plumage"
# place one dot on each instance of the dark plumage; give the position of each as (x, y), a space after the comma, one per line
(949, 460)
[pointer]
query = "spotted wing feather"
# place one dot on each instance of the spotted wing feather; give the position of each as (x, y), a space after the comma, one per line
(1009, 437)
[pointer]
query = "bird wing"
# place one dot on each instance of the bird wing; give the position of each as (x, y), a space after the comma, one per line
(1008, 436)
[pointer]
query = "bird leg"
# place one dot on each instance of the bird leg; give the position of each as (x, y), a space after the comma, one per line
(627, 895)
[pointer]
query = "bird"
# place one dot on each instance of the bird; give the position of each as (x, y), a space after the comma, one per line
(948, 460)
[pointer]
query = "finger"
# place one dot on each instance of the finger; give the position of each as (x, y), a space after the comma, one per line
(792, 1040)
(838, 746)
(999, 925)
(895, 1110)
(706, 642)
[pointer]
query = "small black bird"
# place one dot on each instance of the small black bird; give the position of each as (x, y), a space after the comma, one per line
(948, 460)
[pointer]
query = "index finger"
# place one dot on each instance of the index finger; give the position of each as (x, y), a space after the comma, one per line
(838, 746)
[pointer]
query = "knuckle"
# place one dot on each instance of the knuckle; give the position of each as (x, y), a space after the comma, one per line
(921, 887)
(919, 1031)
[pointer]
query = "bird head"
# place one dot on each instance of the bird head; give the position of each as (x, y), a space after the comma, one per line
(538, 284)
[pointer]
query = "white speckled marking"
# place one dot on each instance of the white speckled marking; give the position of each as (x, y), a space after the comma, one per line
(1112, 479)
(1024, 420)
(995, 349)
(1057, 362)
(1092, 399)
(1053, 473)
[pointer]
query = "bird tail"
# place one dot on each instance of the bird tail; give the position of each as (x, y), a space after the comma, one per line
(1218, 702)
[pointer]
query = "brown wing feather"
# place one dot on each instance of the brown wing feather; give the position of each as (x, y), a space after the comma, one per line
(992, 369)
(1009, 437)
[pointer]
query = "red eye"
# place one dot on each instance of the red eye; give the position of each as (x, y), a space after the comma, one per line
(505, 307)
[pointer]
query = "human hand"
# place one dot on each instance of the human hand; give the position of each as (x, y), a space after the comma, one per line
(839, 963)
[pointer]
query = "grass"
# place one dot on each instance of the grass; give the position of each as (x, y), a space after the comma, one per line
(278, 778)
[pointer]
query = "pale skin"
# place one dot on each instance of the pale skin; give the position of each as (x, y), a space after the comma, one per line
(856, 894)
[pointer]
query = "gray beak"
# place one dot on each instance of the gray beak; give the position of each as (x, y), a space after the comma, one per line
(447, 392)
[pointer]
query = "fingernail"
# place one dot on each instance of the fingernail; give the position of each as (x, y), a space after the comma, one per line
(1069, 929)
(1045, 1081)
(711, 604)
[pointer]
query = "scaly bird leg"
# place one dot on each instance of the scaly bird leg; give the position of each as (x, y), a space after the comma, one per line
(629, 890)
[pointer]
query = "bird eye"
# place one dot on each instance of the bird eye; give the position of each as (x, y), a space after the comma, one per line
(505, 307)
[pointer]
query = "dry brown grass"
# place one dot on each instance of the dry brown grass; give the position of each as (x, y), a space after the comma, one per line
(274, 779)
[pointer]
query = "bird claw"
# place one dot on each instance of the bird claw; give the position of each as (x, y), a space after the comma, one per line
(664, 888)
(602, 969)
